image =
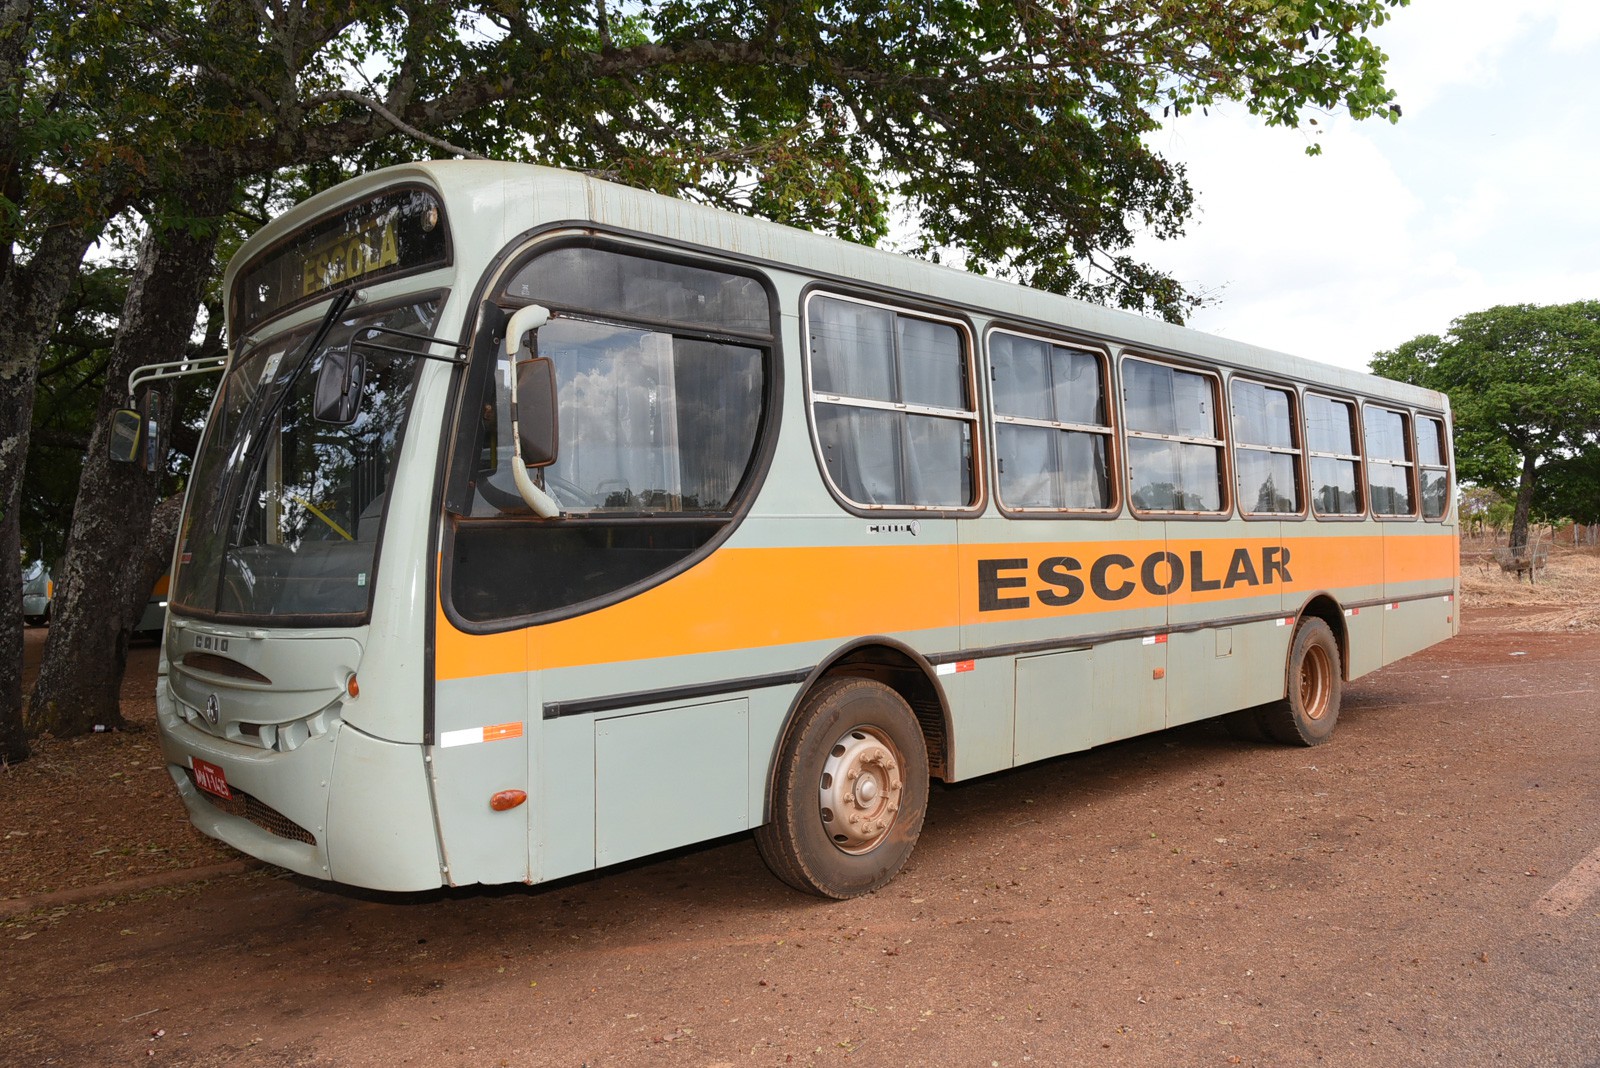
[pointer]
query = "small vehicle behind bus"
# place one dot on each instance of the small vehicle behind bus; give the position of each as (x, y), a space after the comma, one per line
(38, 594)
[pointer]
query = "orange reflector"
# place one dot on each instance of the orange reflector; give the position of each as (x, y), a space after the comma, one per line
(351, 686)
(507, 799)
(1159, 673)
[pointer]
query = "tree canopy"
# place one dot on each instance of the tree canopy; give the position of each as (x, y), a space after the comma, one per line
(1524, 387)
(1013, 133)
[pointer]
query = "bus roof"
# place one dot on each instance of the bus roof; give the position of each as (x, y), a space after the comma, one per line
(494, 202)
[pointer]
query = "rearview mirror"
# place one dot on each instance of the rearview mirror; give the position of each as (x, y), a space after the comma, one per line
(537, 432)
(127, 430)
(136, 435)
(339, 382)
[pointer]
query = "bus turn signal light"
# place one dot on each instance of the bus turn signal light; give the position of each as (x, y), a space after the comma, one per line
(506, 800)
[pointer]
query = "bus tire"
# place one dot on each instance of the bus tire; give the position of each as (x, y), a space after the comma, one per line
(1309, 712)
(850, 789)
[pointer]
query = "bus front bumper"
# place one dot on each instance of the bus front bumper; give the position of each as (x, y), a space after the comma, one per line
(343, 806)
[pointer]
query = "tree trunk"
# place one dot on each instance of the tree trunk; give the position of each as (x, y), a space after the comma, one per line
(30, 297)
(13, 738)
(81, 677)
(157, 557)
(1524, 508)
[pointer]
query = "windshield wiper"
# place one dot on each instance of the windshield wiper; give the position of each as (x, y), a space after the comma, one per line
(256, 422)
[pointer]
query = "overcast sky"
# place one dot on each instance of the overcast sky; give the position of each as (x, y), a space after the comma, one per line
(1486, 192)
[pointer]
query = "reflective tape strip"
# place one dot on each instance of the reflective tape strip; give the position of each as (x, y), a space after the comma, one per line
(958, 666)
(499, 732)
(1159, 639)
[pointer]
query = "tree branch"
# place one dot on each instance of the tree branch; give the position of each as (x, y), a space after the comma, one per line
(377, 108)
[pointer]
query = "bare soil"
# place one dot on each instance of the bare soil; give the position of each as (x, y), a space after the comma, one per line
(100, 808)
(1425, 890)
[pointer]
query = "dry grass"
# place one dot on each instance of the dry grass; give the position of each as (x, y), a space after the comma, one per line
(1565, 596)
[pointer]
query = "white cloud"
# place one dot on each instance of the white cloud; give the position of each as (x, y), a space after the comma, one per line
(1483, 194)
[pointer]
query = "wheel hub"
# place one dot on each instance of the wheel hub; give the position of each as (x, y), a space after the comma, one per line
(860, 790)
(1316, 683)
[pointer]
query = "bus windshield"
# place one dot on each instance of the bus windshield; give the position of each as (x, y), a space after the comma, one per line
(284, 515)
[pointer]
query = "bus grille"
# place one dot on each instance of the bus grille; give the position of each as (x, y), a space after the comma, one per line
(257, 812)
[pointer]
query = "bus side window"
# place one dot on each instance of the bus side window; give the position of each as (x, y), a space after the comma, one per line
(1389, 462)
(1434, 464)
(1266, 450)
(1335, 459)
(1052, 429)
(1174, 438)
(892, 402)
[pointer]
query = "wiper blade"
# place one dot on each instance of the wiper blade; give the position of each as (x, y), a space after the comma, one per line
(256, 423)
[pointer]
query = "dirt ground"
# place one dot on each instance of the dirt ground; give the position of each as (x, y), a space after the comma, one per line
(1423, 890)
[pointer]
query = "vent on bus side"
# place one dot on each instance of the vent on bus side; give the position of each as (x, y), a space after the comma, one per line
(212, 664)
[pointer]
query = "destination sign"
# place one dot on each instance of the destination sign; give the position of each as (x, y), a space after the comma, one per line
(348, 256)
(396, 232)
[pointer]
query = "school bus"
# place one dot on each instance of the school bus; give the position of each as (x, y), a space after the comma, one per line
(542, 523)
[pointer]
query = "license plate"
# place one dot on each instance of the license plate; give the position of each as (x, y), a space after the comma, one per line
(209, 778)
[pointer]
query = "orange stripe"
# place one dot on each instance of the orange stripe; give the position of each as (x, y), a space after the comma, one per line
(502, 731)
(734, 599)
(752, 598)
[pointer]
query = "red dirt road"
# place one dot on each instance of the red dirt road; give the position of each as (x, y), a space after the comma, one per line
(1425, 890)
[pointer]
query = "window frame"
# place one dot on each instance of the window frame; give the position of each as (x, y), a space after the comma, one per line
(1446, 455)
(1357, 438)
(1220, 444)
(972, 416)
(1296, 451)
(1408, 437)
(459, 447)
(1114, 486)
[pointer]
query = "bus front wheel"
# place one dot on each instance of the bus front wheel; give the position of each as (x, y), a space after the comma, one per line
(1307, 715)
(850, 791)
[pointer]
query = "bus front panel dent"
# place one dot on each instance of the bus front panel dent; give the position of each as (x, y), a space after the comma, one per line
(377, 807)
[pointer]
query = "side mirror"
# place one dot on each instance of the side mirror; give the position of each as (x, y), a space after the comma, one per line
(537, 429)
(533, 421)
(339, 382)
(136, 435)
(127, 430)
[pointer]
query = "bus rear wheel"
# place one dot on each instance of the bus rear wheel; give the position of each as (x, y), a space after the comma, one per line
(1308, 714)
(850, 791)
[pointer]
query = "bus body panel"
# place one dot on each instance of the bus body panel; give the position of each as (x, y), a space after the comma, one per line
(485, 744)
(1364, 627)
(671, 777)
(982, 732)
(1055, 704)
(564, 791)
(299, 676)
(379, 805)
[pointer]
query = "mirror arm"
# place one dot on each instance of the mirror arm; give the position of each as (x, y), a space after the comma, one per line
(458, 359)
(158, 372)
(522, 321)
